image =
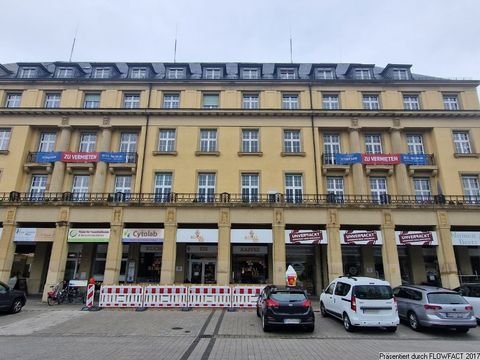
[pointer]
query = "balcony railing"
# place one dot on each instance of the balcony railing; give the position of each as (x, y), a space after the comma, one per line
(272, 199)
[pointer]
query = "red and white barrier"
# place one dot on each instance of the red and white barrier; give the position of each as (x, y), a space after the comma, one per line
(165, 296)
(209, 296)
(245, 296)
(90, 295)
(121, 296)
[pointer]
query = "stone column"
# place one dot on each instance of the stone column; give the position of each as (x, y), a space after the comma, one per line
(7, 246)
(58, 258)
(359, 184)
(224, 257)
(115, 247)
(102, 167)
(58, 173)
(169, 255)
(401, 175)
(334, 248)
(391, 263)
(445, 253)
(279, 256)
(38, 264)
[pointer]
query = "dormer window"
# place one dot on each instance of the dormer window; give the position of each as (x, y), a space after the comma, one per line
(287, 74)
(28, 72)
(176, 73)
(138, 73)
(65, 72)
(324, 74)
(400, 74)
(363, 74)
(250, 73)
(102, 73)
(212, 73)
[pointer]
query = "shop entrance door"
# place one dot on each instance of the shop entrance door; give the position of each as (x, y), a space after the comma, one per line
(71, 269)
(203, 271)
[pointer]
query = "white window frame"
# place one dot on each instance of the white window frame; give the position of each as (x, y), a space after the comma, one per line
(47, 141)
(250, 187)
(13, 100)
(251, 101)
(138, 73)
(123, 184)
(250, 73)
(211, 97)
(208, 140)
(471, 188)
(370, 102)
(131, 101)
(324, 74)
(250, 141)
(65, 72)
(422, 188)
(38, 186)
(176, 73)
(88, 142)
(287, 74)
(294, 188)
(331, 146)
(5, 134)
(461, 141)
(171, 100)
(212, 73)
(206, 187)
(163, 186)
(335, 189)
(330, 102)
(52, 100)
(400, 74)
(167, 140)
(28, 72)
(415, 144)
(128, 142)
(292, 141)
(379, 189)
(363, 74)
(91, 100)
(411, 102)
(102, 72)
(373, 144)
(450, 102)
(80, 186)
(290, 101)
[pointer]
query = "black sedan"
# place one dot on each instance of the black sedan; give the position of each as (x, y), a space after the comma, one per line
(11, 300)
(285, 306)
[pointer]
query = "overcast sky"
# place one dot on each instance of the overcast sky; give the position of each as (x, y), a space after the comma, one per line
(439, 37)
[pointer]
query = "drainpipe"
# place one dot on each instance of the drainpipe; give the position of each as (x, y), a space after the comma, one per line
(313, 139)
(147, 125)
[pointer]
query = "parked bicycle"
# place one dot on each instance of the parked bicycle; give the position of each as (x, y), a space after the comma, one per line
(63, 291)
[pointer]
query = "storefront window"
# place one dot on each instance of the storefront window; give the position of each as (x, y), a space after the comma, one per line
(302, 259)
(250, 264)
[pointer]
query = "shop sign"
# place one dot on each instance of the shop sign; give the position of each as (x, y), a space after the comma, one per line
(250, 250)
(199, 249)
(79, 157)
(262, 236)
(305, 237)
(88, 235)
(151, 248)
(416, 238)
(142, 235)
(361, 237)
(380, 159)
(197, 235)
(34, 235)
(466, 238)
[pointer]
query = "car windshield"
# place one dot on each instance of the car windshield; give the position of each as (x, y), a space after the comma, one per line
(288, 296)
(373, 292)
(445, 298)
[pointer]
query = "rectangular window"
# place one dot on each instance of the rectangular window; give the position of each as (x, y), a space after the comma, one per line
(88, 142)
(410, 102)
(128, 142)
(250, 73)
(290, 101)
(450, 102)
(65, 72)
(370, 102)
(28, 72)
(471, 188)
(131, 101)
(250, 187)
(330, 102)
(461, 140)
(362, 74)
(423, 192)
(171, 101)
(123, 184)
(176, 73)
(138, 73)
(80, 187)
(13, 100)
(287, 74)
(324, 74)
(4, 139)
(52, 100)
(166, 142)
(206, 187)
(210, 101)
(250, 101)
(212, 73)
(415, 144)
(291, 141)
(250, 141)
(163, 187)
(373, 144)
(91, 101)
(378, 190)
(293, 188)
(208, 140)
(335, 189)
(101, 73)
(400, 74)
(331, 146)
(47, 142)
(38, 186)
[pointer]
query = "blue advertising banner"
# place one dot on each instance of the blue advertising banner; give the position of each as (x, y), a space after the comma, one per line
(114, 157)
(48, 157)
(414, 159)
(346, 159)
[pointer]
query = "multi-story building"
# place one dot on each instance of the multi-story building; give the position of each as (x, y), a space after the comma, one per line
(228, 172)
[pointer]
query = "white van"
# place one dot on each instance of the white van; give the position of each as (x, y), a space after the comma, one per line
(360, 301)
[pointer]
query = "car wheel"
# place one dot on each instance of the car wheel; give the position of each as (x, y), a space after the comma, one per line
(310, 328)
(323, 311)
(16, 306)
(265, 326)
(391, 329)
(258, 312)
(413, 321)
(51, 301)
(462, 330)
(347, 324)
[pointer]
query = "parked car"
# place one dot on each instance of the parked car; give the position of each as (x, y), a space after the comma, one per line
(471, 293)
(360, 302)
(285, 306)
(429, 306)
(11, 300)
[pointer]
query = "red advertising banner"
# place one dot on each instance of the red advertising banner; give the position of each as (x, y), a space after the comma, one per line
(416, 238)
(305, 237)
(380, 159)
(361, 237)
(79, 157)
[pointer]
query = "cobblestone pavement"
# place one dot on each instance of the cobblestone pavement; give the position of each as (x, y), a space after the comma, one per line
(65, 332)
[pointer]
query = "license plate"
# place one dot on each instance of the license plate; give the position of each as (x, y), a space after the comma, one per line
(291, 321)
(370, 311)
(454, 315)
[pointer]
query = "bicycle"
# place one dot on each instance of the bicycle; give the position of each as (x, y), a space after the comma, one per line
(62, 292)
